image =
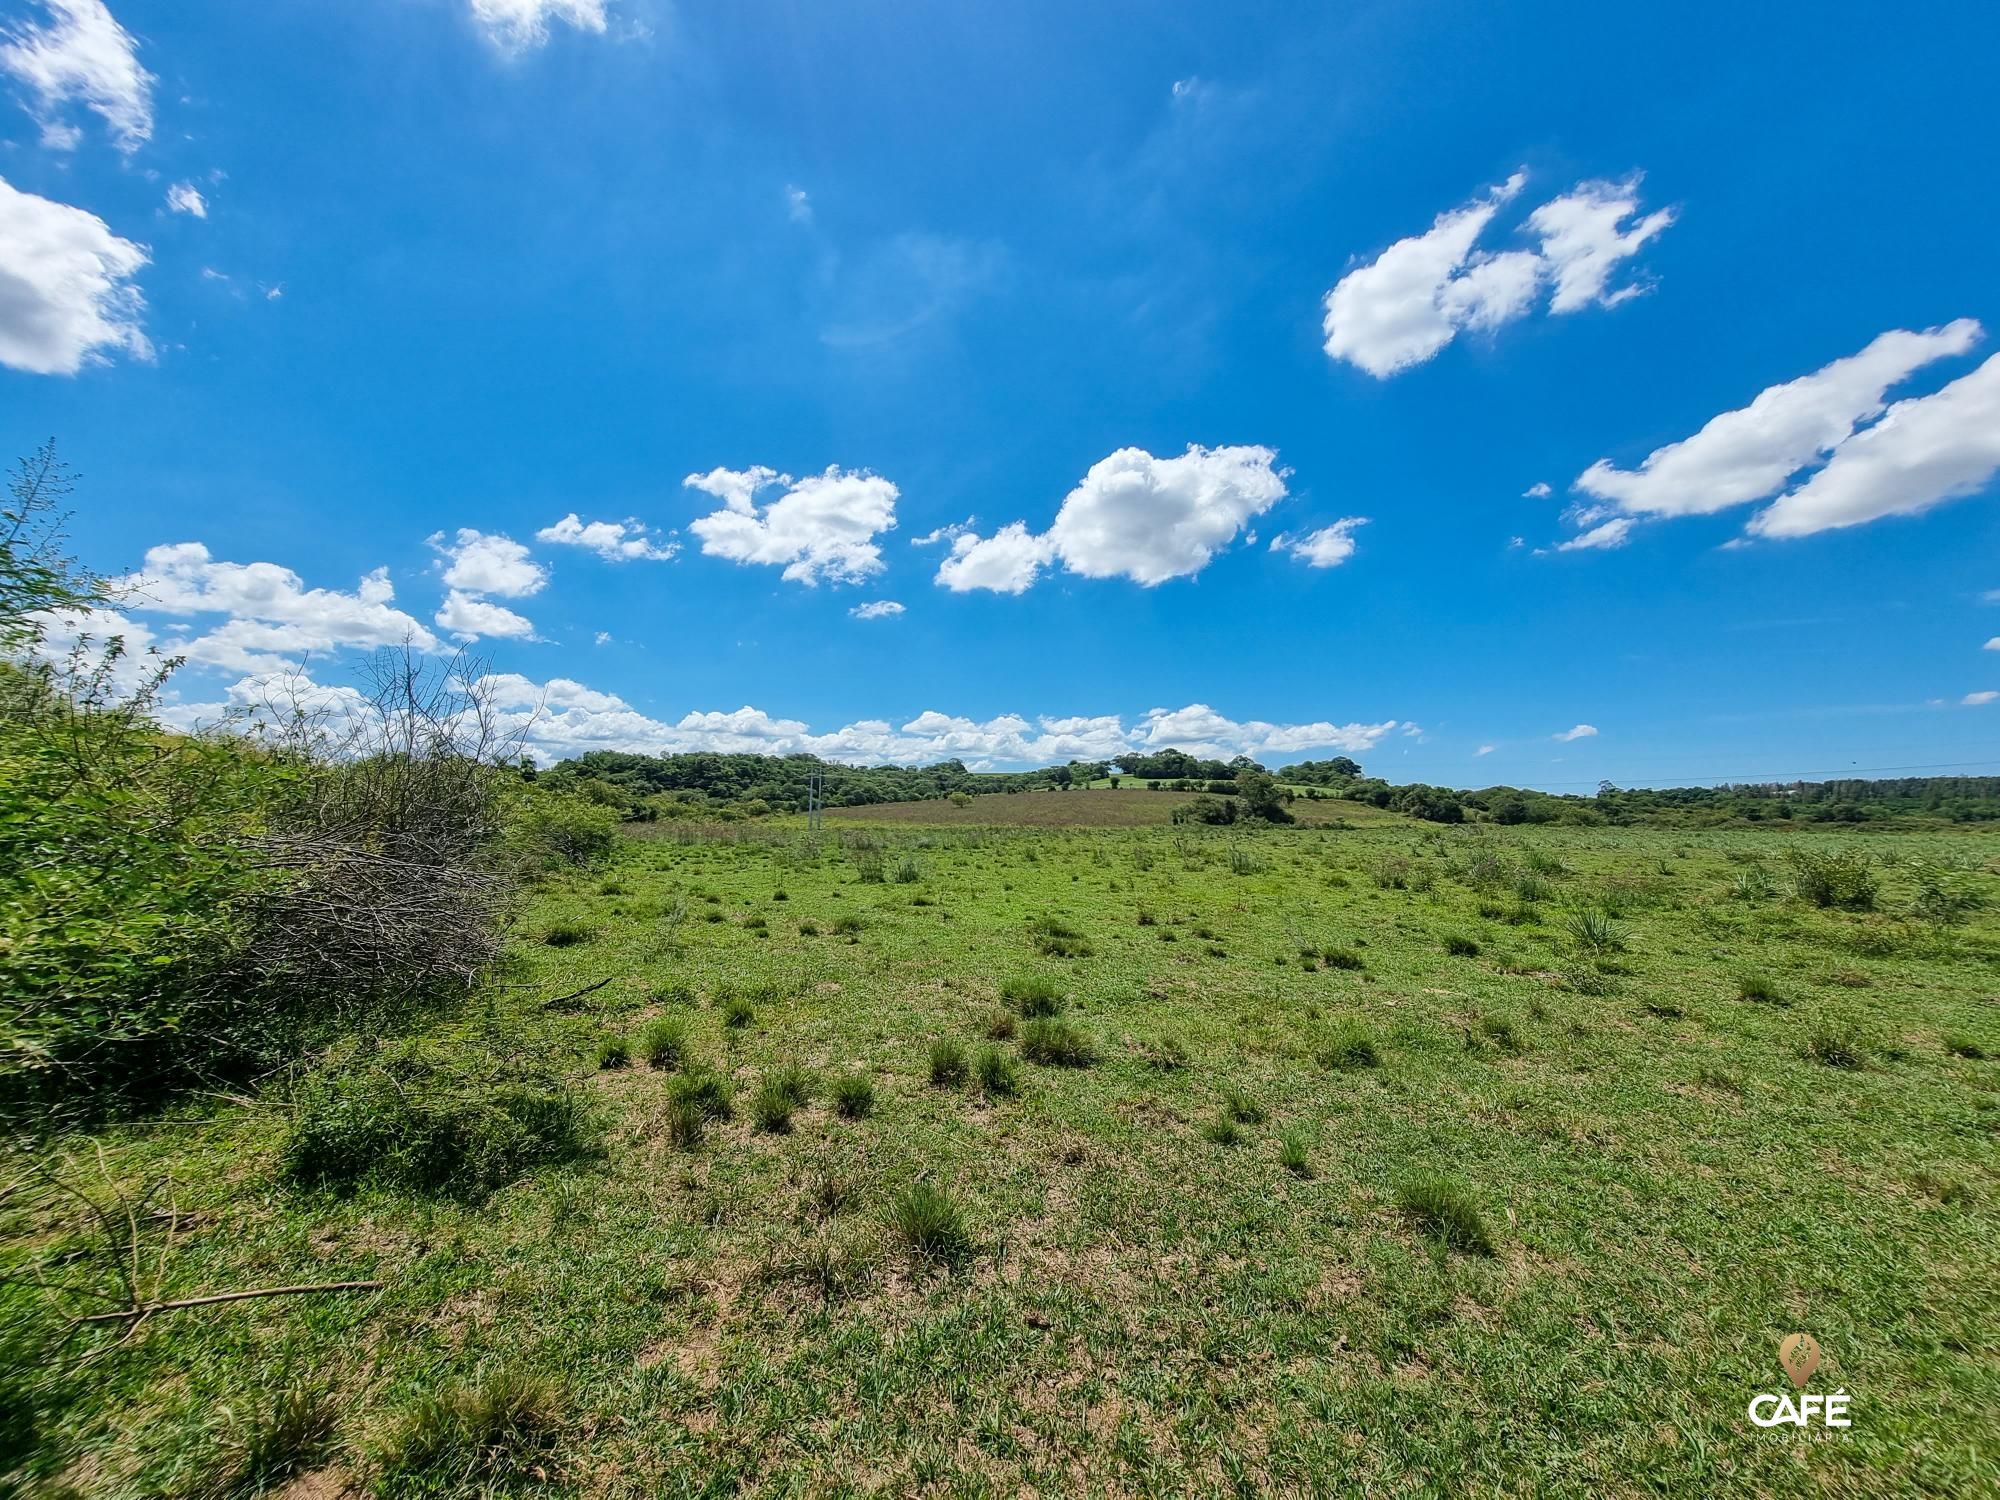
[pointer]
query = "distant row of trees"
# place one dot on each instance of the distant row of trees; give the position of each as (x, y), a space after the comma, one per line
(706, 784)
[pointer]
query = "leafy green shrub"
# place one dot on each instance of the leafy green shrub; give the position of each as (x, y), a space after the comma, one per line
(407, 1121)
(1832, 878)
(930, 1223)
(1032, 995)
(1054, 1041)
(1443, 1209)
(1219, 811)
(550, 829)
(854, 1095)
(491, 1434)
(996, 1072)
(947, 1063)
(662, 1042)
(1346, 1047)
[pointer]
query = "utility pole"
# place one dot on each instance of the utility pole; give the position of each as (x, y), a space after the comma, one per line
(815, 797)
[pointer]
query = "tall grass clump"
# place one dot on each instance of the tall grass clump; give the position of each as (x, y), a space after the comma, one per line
(1032, 995)
(853, 1095)
(997, 1074)
(1241, 1106)
(1444, 1210)
(407, 1120)
(1057, 1043)
(1346, 1047)
(1294, 1154)
(494, 1433)
(662, 1042)
(947, 1063)
(930, 1223)
(705, 1090)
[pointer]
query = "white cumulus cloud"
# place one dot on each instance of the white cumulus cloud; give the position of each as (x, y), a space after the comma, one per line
(1749, 453)
(66, 291)
(1582, 242)
(186, 198)
(1418, 295)
(468, 617)
(517, 25)
(1328, 547)
(614, 541)
(81, 55)
(273, 618)
(1978, 700)
(823, 527)
(1580, 732)
(563, 718)
(1924, 451)
(478, 562)
(876, 609)
(1132, 516)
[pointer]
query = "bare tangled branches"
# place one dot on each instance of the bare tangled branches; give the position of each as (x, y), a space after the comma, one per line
(388, 836)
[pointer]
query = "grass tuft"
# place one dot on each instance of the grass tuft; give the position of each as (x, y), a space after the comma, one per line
(1444, 1210)
(930, 1223)
(1241, 1107)
(1293, 1154)
(491, 1434)
(1032, 995)
(947, 1063)
(999, 1076)
(1347, 1047)
(854, 1096)
(662, 1042)
(1056, 1042)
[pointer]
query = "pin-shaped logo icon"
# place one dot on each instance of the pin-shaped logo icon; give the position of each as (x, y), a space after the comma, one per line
(1798, 1353)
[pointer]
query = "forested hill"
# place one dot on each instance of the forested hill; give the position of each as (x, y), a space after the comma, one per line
(711, 784)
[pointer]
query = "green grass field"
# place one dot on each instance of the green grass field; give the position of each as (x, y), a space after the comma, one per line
(1378, 1159)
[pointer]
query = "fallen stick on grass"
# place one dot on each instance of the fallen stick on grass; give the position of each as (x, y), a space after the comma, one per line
(266, 1291)
(576, 994)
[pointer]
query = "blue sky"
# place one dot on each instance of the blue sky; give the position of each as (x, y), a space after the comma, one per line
(340, 311)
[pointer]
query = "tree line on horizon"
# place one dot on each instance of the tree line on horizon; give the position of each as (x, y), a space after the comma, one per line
(643, 788)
